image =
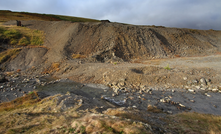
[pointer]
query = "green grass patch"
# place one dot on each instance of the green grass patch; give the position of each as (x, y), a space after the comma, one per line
(167, 67)
(21, 36)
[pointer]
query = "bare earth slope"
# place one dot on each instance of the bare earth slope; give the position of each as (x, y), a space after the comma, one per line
(101, 40)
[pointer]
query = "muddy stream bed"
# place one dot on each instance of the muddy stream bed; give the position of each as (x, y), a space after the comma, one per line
(170, 101)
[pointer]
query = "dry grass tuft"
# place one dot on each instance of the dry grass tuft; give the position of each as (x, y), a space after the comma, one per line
(196, 123)
(177, 55)
(24, 101)
(104, 124)
(9, 54)
(154, 109)
(78, 56)
(53, 68)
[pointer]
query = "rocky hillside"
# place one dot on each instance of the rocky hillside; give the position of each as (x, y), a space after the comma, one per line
(106, 40)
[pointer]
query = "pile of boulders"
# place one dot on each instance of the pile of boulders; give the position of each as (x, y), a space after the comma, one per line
(201, 84)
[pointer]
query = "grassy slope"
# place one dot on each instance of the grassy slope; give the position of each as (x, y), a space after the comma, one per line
(29, 114)
(6, 15)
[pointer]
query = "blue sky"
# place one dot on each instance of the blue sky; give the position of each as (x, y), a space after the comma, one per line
(197, 14)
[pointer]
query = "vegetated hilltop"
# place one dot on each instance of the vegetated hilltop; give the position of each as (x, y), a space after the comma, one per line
(7, 15)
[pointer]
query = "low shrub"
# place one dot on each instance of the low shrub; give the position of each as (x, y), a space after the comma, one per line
(167, 67)
(24, 101)
(12, 34)
(24, 41)
(78, 56)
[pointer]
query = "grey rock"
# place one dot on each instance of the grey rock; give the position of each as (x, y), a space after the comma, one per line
(195, 81)
(197, 87)
(192, 101)
(182, 105)
(207, 95)
(169, 112)
(203, 81)
(80, 102)
(215, 90)
(38, 81)
(191, 90)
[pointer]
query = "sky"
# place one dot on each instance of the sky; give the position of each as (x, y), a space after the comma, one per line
(195, 14)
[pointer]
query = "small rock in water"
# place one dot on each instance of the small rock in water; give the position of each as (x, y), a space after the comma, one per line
(169, 112)
(80, 102)
(134, 106)
(162, 100)
(191, 90)
(215, 90)
(207, 95)
(192, 101)
(181, 105)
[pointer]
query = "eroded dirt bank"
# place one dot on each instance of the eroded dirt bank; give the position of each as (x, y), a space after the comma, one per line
(103, 41)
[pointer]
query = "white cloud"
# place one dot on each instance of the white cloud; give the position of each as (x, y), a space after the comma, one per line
(201, 14)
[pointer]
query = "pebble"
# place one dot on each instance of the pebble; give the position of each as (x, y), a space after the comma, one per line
(134, 106)
(192, 101)
(184, 78)
(169, 112)
(182, 105)
(191, 90)
(207, 95)
(197, 87)
(195, 81)
(80, 102)
(203, 81)
(215, 90)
